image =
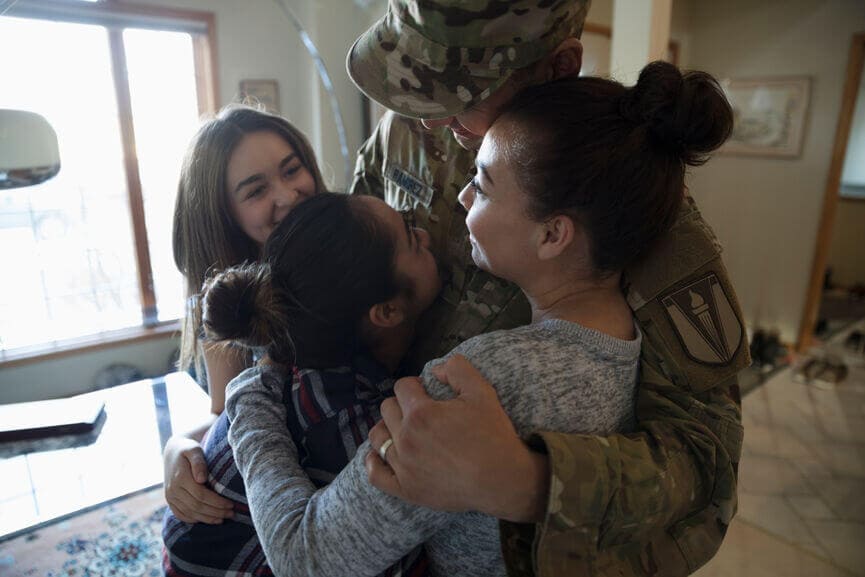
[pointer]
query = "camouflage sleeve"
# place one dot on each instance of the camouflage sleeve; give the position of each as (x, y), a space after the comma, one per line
(368, 177)
(655, 502)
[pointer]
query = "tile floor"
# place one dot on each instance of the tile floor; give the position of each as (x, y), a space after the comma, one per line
(801, 478)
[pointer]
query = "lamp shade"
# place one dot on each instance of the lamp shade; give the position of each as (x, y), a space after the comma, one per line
(28, 149)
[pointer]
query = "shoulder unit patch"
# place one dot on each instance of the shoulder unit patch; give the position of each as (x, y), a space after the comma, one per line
(704, 321)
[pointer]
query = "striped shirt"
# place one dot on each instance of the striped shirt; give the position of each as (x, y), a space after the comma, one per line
(329, 414)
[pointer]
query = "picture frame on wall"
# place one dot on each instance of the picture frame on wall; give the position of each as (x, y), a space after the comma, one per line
(261, 92)
(769, 115)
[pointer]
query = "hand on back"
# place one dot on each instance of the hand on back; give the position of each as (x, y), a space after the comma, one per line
(457, 455)
(186, 491)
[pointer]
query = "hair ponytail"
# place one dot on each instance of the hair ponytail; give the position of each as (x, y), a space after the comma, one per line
(687, 114)
(240, 305)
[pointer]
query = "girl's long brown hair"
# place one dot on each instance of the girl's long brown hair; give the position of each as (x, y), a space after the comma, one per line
(206, 239)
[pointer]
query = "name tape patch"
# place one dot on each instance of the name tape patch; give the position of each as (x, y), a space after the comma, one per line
(415, 187)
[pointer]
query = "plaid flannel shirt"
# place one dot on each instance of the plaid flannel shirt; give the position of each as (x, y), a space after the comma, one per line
(329, 414)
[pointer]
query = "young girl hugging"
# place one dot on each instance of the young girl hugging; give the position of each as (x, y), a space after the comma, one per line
(243, 172)
(577, 180)
(330, 309)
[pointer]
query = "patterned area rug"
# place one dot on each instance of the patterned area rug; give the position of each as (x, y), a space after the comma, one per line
(119, 539)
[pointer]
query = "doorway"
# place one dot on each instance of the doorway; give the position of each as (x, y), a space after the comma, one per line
(836, 295)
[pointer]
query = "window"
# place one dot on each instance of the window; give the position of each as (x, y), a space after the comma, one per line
(88, 253)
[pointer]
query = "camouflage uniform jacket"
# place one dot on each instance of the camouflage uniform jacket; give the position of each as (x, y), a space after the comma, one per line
(656, 502)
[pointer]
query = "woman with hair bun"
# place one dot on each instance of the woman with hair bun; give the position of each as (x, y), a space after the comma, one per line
(331, 309)
(576, 181)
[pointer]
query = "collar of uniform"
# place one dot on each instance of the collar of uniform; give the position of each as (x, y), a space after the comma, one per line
(686, 248)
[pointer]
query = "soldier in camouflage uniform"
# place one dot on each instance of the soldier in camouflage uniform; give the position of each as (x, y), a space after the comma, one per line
(657, 502)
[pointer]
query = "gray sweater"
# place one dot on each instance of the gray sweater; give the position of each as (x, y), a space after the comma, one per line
(553, 375)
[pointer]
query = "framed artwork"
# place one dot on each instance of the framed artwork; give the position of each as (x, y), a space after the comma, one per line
(261, 92)
(768, 115)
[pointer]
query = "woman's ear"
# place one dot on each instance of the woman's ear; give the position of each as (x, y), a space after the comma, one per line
(567, 59)
(388, 314)
(557, 234)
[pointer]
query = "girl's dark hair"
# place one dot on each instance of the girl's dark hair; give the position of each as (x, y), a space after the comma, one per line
(614, 157)
(324, 266)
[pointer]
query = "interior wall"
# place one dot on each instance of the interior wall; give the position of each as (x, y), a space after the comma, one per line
(601, 12)
(680, 29)
(334, 26)
(766, 211)
(596, 46)
(633, 34)
(74, 374)
(847, 251)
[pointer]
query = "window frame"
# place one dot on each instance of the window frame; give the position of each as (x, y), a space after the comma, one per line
(115, 17)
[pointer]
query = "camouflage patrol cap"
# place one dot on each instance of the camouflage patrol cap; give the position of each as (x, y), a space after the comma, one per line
(437, 58)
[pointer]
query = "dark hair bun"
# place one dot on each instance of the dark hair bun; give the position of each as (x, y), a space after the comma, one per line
(687, 113)
(239, 305)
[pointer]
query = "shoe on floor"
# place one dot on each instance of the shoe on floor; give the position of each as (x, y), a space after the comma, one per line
(855, 341)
